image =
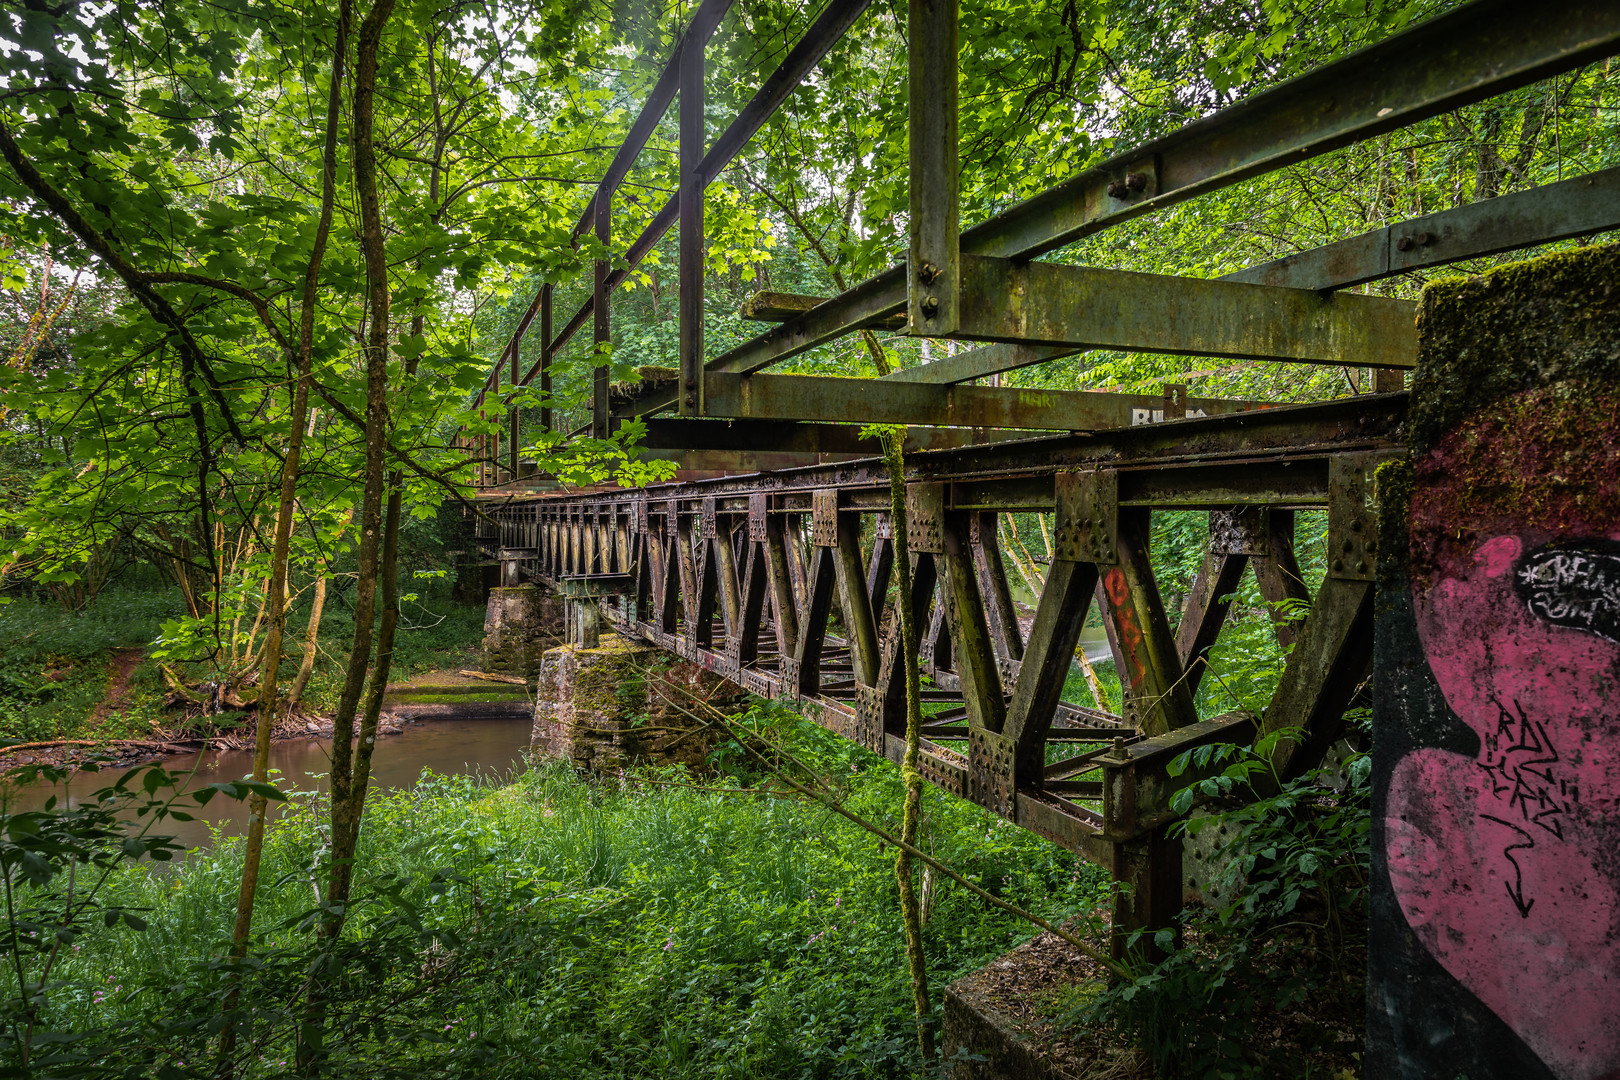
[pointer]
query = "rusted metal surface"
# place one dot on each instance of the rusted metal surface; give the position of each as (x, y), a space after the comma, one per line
(743, 575)
(1464, 56)
(827, 399)
(1579, 207)
(763, 578)
(1048, 304)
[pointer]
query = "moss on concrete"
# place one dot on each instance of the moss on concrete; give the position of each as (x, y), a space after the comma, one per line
(1525, 325)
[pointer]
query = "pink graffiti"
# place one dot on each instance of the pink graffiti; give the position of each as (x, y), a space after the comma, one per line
(1507, 865)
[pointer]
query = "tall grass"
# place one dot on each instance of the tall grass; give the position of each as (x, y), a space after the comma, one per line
(569, 928)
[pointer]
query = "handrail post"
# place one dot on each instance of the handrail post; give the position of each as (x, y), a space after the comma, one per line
(545, 356)
(512, 450)
(599, 308)
(692, 147)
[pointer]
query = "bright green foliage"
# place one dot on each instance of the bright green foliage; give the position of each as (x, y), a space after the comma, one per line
(557, 927)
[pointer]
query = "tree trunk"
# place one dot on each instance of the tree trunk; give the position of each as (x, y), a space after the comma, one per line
(295, 695)
(348, 795)
(276, 595)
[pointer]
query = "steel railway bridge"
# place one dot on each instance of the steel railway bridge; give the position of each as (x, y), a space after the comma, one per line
(771, 562)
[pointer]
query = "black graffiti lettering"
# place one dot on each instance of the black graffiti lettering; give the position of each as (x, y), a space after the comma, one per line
(1516, 889)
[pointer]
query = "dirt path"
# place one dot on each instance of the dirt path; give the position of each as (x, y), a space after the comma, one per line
(122, 665)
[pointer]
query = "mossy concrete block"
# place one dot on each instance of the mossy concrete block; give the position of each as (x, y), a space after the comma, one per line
(520, 623)
(606, 707)
(1494, 908)
(1518, 327)
(982, 1043)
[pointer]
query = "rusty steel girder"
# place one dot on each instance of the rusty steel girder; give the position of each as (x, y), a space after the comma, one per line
(780, 583)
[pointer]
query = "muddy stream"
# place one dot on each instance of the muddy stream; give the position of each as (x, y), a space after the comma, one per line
(448, 747)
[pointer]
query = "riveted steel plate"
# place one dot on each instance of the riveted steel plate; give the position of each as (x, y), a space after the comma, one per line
(869, 718)
(790, 676)
(925, 517)
(883, 527)
(990, 771)
(824, 518)
(1239, 532)
(672, 517)
(1008, 667)
(1087, 518)
(640, 519)
(1352, 517)
(707, 528)
(756, 683)
(942, 772)
(758, 507)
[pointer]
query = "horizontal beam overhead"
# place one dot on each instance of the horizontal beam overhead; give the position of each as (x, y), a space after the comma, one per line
(683, 433)
(1481, 49)
(871, 300)
(1576, 207)
(828, 399)
(976, 363)
(775, 307)
(1081, 306)
(1466, 55)
(1540, 215)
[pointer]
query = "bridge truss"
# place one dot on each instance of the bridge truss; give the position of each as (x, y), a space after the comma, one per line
(780, 580)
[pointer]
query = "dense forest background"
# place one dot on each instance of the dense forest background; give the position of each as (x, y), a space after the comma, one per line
(256, 259)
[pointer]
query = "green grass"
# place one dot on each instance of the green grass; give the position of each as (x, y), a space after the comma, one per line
(53, 663)
(602, 930)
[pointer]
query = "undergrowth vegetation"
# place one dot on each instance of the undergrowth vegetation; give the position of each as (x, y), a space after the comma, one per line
(54, 663)
(1271, 981)
(641, 926)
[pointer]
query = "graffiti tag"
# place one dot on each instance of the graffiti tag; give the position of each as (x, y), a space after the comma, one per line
(1577, 587)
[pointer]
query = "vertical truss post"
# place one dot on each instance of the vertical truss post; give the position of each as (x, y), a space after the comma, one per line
(970, 632)
(1280, 580)
(693, 142)
(1234, 536)
(1148, 890)
(997, 593)
(1059, 617)
(931, 268)
(667, 585)
(545, 356)
(783, 602)
(803, 676)
(599, 309)
(1152, 678)
(753, 602)
(859, 623)
(513, 448)
(891, 685)
(881, 566)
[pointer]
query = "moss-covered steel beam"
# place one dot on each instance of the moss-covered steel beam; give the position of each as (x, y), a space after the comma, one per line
(775, 436)
(829, 399)
(934, 165)
(1466, 55)
(1052, 304)
(1577, 207)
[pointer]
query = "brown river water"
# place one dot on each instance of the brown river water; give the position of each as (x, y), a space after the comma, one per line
(448, 747)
